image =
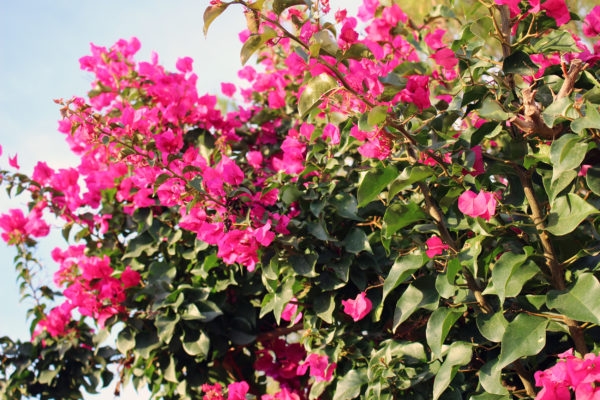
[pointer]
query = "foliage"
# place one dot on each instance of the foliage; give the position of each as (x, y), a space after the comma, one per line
(386, 213)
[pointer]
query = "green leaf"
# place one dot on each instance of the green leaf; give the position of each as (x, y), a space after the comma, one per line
(403, 267)
(373, 183)
(165, 326)
(492, 110)
(510, 273)
(581, 302)
(490, 396)
(592, 178)
(567, 153)
(492, 326)
(211, 13)
(254, 43)
(439, 325)
(562, 108)
(356, 241)
(558, 182)
(519, 63)
(557, 40)
(459, 354)
(145, 342)
(377, 115)
(567, 212)
(420, 294)
(350, 385)
(409, 176)
(490, 377)
(324, 305)
(304, 264)
(125, 341)
(524, 336)
(346, 206)
(195, 343)
(397, 216)
(590, 120)
(280, 6)
(314, 91)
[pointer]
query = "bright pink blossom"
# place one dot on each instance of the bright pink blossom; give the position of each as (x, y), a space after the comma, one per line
(56, 321)
(320, 368)
(435, 246)
(591, 23)
(13, 162)
(228, 89)
(212, 392)
(237, 390)
(359, 307)
(481, 205)
(290, 311)
(17, 227)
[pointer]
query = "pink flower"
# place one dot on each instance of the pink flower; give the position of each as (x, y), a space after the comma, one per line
(130, 277)
(184, 64)
(320, 368)
(228, 89)
(12, 161)
(478, 205)
(556, 9)
(591, 23)
(359, 307)
(17, 228)
(55, 323)
(584, 169)
(212, 392)
(435, 246)
(237, 390)
(290, 310)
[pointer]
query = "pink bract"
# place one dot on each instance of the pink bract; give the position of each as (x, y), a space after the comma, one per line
(359, 307)
(482, 204)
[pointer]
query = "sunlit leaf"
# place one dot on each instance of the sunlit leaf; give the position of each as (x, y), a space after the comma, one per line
(313, 92)
(581, 302)
(211, 13)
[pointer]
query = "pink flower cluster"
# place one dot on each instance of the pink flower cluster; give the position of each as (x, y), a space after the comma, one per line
(18, 228)
(91, 287)
(570, 374)
(556, 9)
(235, 391)
(286, 363)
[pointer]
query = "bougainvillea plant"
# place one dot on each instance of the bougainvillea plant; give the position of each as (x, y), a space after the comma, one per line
(390, 210)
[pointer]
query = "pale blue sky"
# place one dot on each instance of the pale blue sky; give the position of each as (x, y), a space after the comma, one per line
(40, 45)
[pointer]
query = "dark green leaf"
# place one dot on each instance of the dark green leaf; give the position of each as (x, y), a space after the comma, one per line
(509, 274)
(567, 212)
(356, 242)
(567, 153)
(350, 385)
(397, 216)
(590, 120)
(519, 63)
(556, 40)
(524, 336)
(592, 178)
(373, 183)
(410, 175)
(581, 302)
(304, 264)
(492, 326)
(459, 354)
(492, 110)
(439, 325)
(403, 267)
(420, 294)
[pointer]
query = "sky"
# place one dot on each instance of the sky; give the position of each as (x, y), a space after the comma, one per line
(40, 45)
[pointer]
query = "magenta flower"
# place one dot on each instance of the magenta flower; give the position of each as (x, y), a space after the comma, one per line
(290, 311)
(320, 368)
(237, 390)
(435, 246)
(591, 23)
(359, 307)
(478, 205)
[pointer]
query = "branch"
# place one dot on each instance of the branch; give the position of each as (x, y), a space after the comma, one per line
(556, 271)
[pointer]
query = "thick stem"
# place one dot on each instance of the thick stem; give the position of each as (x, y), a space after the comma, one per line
(556, 271)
